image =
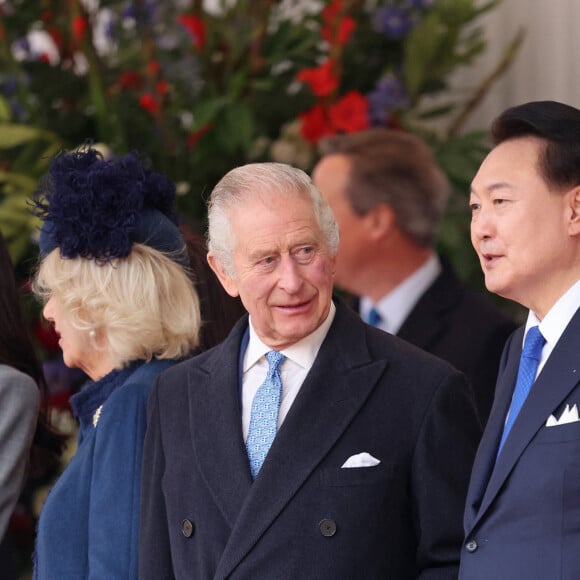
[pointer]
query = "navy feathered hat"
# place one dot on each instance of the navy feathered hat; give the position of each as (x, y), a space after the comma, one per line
(97, 209)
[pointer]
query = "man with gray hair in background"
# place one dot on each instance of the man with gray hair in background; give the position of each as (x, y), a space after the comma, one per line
(388, 195)
(308, 444)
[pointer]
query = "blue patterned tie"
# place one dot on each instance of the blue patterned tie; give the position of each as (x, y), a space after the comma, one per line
(529, 360)
(374, 317)
(264, 417)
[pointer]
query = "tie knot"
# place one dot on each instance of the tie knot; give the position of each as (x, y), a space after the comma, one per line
(533, 343)
(374, 317)
(275, 359)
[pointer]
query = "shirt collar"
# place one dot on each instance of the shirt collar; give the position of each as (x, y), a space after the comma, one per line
(558, 317)
(303, 352)
(396, 305)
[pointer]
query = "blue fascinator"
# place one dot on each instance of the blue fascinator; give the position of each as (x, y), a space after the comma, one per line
(97, 209)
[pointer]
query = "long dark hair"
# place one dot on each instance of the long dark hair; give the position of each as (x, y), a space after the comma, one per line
(17, 348)
(219, 311)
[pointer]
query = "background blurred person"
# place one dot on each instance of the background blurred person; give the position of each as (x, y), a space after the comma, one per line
(22, 423)
(114, 282)
(388, 195)
(220, 311)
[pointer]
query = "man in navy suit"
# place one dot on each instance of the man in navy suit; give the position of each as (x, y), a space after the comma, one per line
(367, 473)
(389, 195)
(522, 517)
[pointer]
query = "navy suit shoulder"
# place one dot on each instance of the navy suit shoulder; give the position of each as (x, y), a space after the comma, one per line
(464, 328)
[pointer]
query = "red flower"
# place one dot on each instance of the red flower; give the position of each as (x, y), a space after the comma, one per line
(195, 26)
(79, 27)
(56, 36)
(336, 29)
(153, 67)
(321, 80)
(194, 137)
(162, 87)
(315, 124)
(130, 80)
(350, 113)
(148, 103)
(338, 34)
(331, 11)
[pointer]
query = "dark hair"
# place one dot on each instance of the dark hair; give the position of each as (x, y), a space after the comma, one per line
(219, 311)
(17, 348)
(558, 125)
(398, 169)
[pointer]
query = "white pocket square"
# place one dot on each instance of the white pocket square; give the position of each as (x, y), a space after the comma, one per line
(360, 460)
(569, 415)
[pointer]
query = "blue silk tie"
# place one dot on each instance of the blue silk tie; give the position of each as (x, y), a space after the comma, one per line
(374, 317)
(529, 360)
(264, 415)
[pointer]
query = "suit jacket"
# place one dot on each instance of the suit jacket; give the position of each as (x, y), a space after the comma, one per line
(462, 327)
(522, 518)
(304, 516)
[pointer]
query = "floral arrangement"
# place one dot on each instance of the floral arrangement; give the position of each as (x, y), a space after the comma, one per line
(203, 85)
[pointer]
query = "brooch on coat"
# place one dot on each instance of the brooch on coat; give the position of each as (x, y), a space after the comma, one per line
(97, 416)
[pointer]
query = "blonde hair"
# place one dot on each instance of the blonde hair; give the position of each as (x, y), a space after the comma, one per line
(144, 304)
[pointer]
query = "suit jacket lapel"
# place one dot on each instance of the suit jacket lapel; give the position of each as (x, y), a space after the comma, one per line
(553, 385)
(216, 425)
(427, 320)
(337, 386)
(479, 495)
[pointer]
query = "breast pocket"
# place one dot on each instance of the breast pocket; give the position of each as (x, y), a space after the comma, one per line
(355, 476)
(559, 433)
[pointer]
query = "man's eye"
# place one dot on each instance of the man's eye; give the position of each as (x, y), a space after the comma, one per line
(474, 206)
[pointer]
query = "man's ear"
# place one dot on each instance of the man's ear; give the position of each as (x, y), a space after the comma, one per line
(380, 221)
(574, 205)
(229, 283)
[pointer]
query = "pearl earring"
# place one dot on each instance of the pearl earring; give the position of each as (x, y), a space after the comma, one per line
(92, 333)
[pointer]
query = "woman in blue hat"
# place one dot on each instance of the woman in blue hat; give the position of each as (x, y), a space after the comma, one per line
(115, 283)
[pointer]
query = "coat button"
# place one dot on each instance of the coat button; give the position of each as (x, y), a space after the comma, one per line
(471, 546)
(187, 528)
(327, 527)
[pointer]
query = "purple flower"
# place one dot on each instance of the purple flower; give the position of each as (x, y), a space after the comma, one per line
(394, 22)
(8, 85)
(419, 3)
(389, 94)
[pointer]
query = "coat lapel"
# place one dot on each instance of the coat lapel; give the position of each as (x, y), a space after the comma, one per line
(216, 425)
(427, 321)
(337, 386)
(487, 451)
(553, 385)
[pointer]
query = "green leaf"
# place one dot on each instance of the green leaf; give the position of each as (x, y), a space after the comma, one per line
(15, 135)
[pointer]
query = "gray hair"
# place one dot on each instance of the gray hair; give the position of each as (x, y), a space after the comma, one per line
(250, 181)
(396, 168)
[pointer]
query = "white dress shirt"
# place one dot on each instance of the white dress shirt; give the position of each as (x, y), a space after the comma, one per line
(299, 360)
(397, 304)
(555, 322)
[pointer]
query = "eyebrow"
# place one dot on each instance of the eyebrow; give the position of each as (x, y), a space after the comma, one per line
(494, 186)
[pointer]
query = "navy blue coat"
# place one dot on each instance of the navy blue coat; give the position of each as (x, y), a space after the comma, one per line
(89, 523)
(304, 517)
(522, 519)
